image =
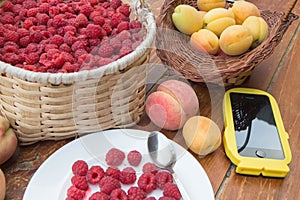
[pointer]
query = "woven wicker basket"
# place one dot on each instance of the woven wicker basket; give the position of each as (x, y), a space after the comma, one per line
(174, 50)
(45, 106)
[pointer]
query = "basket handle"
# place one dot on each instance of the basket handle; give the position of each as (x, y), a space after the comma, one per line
(291, 7)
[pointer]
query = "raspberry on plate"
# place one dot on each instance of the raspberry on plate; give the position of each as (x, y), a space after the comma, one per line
(166, 198)
(150, 168)
(113, 172)
(134, 157)
(147, 182)
(127, 175)
(99, 196)
(95, 174)
(136, 193)
(80, 182)
(118, 194)
(171, 190)
(75, 193)
(163, 177)
(114, 157)
(80, 167)
(108, 184)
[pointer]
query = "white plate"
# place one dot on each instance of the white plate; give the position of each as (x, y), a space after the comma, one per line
(53, 177)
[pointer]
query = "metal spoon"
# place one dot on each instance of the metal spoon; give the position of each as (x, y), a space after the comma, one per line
(163, 155)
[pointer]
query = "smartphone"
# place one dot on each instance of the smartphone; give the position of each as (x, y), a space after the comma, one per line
(254, 136)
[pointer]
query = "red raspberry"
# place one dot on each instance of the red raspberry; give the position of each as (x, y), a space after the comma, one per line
(93, 31)
(23, 32)
(147, 182)
(127, 175)
(30, 68)
(136, 193)
(116, 19)
(53, 11)
(32, 58)
(135, 25)
(101, 10)
(80, 182)
(27, 24)
(113, 172)
(94, 42)
(106, 51)
(7, 6)
(69, 38)
(99, 196)
(107, 28)
(27, 4)
(59, 21)
(67, 67)
(64, 47)
(99, 20)
(82, 20)
(166, 198)
(124, 35)
(79, 45)
(116, 3)
(7, 18)
(108, 184)
(11, 58)
(163, 177)
(86, 9)
(11, 36)
(11, 47)
(57, 39)
(125, 50)
(32, 12)
(150, 198)
(104, 61)
(124, 9)
(42, 18)
(75, 193)
(127, 43)
(80, 167)
(36, 36)
(150, 168)
(2, 42)
(117, 44)
(114, 157)
(44, 7)
(95, 174)
(118, 194)
(171, 190)
(134, 157)
(122, 26)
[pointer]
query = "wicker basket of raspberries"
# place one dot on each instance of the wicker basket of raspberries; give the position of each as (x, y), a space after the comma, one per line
(73, 67)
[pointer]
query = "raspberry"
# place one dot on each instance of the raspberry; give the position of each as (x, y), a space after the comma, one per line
(80, 182)
(107, 28)
(113, 172)
(122, 26)
(108, 184)
(150, 168)
(163, 177)
(106, 51)
(127, 175)
(11, 58)
(11, 47)
(27, 24)
(80, 168)
(99, 20)
(57, 39)
(75, 193)
(32, 58)
(166, 198)
(22, 32)
(59, 21)
(35, 36)
(7, 18)
(136, 193)
(147, 182)
(99, 196)
(93, 31)
(82, 20)
(124, 9)
(7, 6)
(116, 19)
(94, 42)
(104, 61)
(11, 36)
(80, 52)
(135, 25)
(44, 7)
(101, 10)
(116, 3)
(95, 174)
(171, 190)
(118, 194)
(79, 45)
(124, 35)
(114, 157)
(125, 50)
(27, 4)
(127, 43)
(2, 41)
(32, 12)
(69, 38)
(70, 28)
(53, 11)
(134, 157)
(42, 18)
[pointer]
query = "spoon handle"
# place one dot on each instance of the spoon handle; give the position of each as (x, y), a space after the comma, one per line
(184, 195)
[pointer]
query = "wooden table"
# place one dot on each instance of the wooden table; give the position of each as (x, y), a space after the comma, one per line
(279, 75)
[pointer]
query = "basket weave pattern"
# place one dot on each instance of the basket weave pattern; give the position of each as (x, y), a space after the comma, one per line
(174, 50)
(44, 106)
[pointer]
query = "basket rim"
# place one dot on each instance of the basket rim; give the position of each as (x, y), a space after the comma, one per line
(146, 17)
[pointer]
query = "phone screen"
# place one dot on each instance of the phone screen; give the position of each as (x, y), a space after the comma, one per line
(255, 127)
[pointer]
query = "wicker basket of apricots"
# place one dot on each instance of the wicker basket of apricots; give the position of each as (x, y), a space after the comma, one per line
(216, 41)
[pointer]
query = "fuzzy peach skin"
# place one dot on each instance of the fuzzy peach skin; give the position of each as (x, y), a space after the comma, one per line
(258, 28)
(172, 104)
(187, 19)
(206, 5)
(235, 40)
(218, 19)
(206, 41)
(244, 9)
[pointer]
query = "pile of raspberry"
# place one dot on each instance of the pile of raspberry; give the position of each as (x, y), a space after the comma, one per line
(112, 179)
(66, 36)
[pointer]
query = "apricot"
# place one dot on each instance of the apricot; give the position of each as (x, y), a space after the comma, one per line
(201, 135)
(207, 5)
(218, 19)
(235, 40)
(187, 19)
(206, 41)
(172, 104)
(258, 28)
(244, 9)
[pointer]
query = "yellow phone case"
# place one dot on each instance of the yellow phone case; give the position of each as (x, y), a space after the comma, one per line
(251, 165)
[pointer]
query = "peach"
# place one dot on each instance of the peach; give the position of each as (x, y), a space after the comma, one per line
(207, 5)
(218, 19)
(172, 104)
(235, 40)
(201, 135)
(187, 19)
(206, 41)
(258, 28)
(244, 9)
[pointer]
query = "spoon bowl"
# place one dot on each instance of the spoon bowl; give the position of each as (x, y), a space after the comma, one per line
(163, 154)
